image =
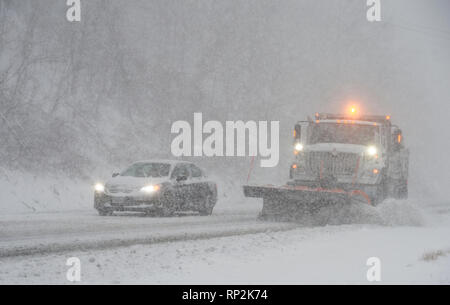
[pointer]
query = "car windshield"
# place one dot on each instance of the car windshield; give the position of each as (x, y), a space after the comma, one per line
(144, 169)
(343, 133)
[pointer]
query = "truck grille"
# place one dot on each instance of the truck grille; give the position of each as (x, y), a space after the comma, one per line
(335, 164)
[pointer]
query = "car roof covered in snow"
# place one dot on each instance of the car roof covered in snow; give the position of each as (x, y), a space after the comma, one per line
(166, 161)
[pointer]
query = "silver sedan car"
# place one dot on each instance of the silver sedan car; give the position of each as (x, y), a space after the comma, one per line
(161, 187)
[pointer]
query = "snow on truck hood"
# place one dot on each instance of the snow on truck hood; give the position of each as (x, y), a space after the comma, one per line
(339, 147)
(135, 181)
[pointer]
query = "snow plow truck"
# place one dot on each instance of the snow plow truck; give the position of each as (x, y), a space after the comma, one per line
(338, 160)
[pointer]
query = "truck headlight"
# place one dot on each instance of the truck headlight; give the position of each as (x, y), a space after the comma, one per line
(150, 188)
(298, 147)
(371, 151)
(99, 187)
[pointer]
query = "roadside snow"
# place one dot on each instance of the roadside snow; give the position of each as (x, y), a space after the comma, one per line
(27, 193)
(333, 254)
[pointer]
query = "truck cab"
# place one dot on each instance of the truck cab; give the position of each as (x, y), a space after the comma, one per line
(351, 152)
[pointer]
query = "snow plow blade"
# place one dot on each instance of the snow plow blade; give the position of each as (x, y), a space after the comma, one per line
(293, 202)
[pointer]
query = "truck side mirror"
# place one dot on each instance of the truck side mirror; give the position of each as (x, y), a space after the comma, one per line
(397, 141)
(297, 132)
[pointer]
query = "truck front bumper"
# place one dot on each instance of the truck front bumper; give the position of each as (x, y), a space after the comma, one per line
(367, 179)
(301, 194)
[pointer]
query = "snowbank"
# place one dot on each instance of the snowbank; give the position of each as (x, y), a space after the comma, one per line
(22, 192)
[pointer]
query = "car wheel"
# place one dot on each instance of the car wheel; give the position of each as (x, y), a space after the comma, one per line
(167, 211)
(208, 206)
(105, 212)
(168, 207)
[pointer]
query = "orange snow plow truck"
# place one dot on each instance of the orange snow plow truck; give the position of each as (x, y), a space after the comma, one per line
(339, 160)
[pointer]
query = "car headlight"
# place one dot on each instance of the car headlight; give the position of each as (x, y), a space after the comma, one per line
(150, 188)
(371, 151)
(298, 146)
(99, 187)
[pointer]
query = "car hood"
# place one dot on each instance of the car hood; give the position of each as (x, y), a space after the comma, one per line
(133, 182)
(338, 147)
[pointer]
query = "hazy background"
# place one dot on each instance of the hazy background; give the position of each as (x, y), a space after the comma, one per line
(80, 100)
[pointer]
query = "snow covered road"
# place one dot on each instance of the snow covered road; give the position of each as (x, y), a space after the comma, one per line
(29, 234)
(229, 247)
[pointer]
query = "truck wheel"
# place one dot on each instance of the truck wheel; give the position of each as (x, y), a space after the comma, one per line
(403, 190)
(382, 190)
(380, 193)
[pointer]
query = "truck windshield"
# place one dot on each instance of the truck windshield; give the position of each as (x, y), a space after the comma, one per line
(147, 170)
(343, 133)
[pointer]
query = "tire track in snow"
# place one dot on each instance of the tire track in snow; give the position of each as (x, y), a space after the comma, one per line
(180, 233)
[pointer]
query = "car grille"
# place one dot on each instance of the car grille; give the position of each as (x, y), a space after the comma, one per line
(119, 189)
(338, 163)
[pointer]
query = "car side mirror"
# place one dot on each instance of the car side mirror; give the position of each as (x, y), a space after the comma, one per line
(181, 178)
(115, 175)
